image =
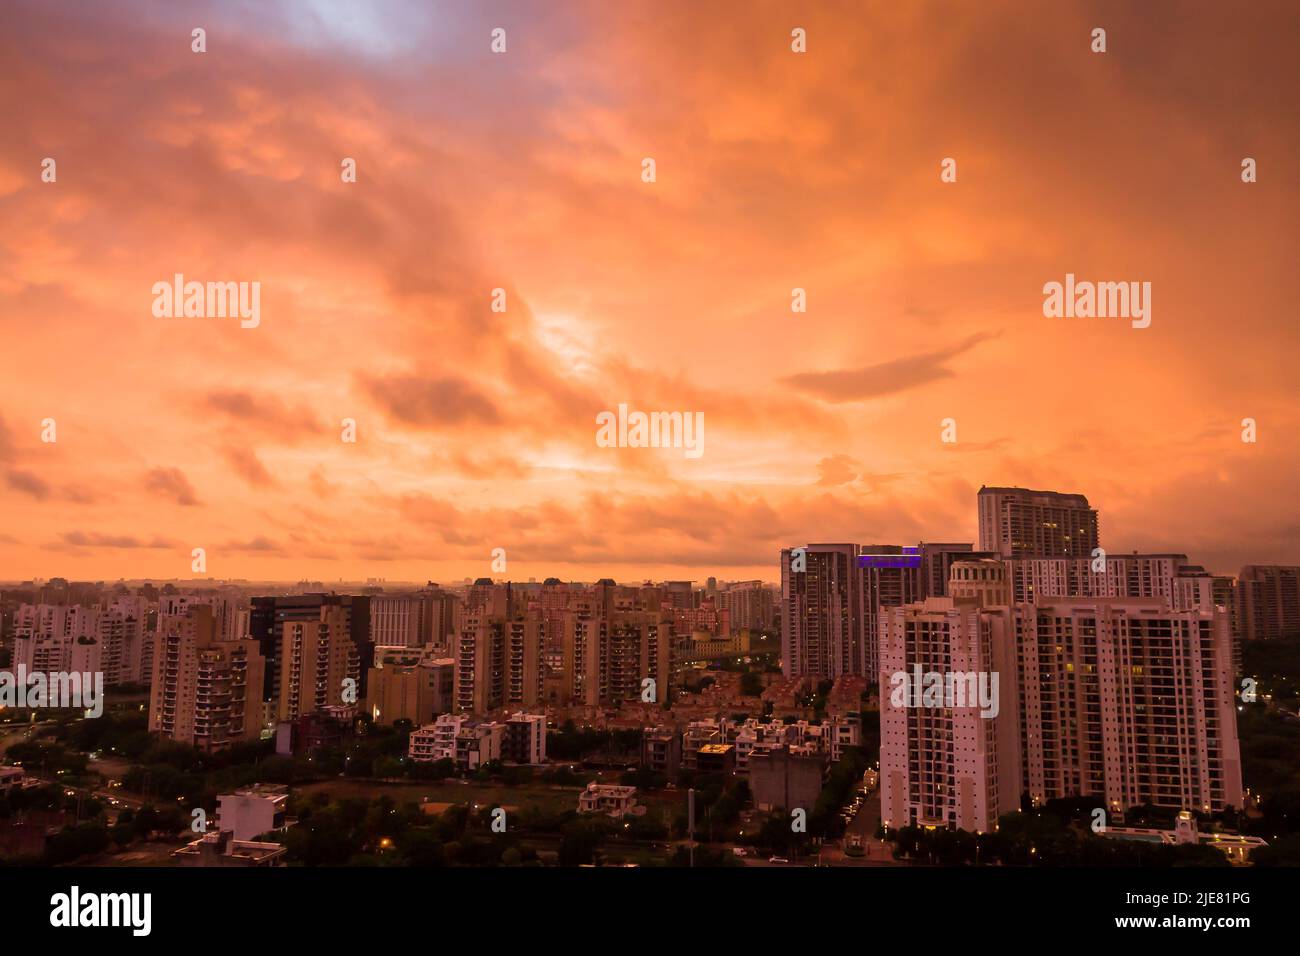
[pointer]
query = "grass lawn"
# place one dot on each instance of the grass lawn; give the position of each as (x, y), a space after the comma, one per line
(545, 796)
(496, 795)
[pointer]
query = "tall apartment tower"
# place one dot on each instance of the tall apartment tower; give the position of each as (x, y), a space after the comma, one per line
(316, 658)
(525, 637)
(750, 604)
(608, 655)
(1020, 523)
(120, 633)
(823, 627)
(204, 690)
(1125, 700)
(269, 615)
(946, 761)
(481, 663)
(883, 588)
(395, 621)
(638, 647)
(1268, 601)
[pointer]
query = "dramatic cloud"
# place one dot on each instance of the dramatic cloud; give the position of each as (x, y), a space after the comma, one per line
(248, 466)
(776, 171)
(413, 400)
(264, 415)
(28, 483)
(170, 483)
(837, 470)
(884, 379)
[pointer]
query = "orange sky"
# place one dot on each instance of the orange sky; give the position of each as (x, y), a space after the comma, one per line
(476, 430)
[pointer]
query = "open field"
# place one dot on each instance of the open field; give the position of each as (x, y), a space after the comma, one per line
(548, 797)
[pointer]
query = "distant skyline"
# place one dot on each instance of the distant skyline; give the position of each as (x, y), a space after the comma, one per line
(477, 429)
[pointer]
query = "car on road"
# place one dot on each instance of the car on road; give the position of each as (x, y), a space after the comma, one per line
(777, 859)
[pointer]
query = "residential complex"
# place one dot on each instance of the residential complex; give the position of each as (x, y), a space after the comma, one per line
(1019, 523)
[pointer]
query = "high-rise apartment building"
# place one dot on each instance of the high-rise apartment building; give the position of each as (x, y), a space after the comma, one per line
(204, 690)
(823, 627)
(948, 758)
(395, 621)
(889, 583)
(750, 605)
(316, 658)
(481, 663)
(1020, 523)
(1167, 576)
(525, 660)
(1126, 700)
(268, 617)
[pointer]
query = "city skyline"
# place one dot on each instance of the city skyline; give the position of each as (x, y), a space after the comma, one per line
(475, 172)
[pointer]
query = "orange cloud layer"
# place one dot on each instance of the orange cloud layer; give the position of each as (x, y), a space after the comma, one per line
(475, 429)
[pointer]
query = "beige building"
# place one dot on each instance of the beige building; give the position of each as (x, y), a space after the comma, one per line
(409, 684)
(949, 747)
(1021, 523)
(1126, 700)
(205, 691)
(316, 658)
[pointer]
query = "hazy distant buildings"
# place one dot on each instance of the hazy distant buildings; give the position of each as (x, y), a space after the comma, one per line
(749, 604)
(1020, 523)
(1269, 601)
(831, 611)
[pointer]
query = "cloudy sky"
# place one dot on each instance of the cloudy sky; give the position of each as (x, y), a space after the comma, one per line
(775, 170)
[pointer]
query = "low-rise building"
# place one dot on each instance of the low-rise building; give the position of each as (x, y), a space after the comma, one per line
(478, 743)
(252, 811)
(436, 741)
(610, 799)
(1235, 847)
(220, 848)
(782, 779)
(661, 751)
(525, 739)
(11, 778)
(716, 758)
